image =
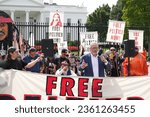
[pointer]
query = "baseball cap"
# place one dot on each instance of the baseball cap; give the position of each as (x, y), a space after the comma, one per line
(64, 50)
(112, 48)
(32, 50)
(11, 49)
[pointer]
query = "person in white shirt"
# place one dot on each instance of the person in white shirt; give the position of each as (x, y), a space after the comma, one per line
(65, 70)
(92, 64)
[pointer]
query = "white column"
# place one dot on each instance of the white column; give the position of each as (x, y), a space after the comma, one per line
(42, 17)
(27, 29)
(12, 14)
(27, 16)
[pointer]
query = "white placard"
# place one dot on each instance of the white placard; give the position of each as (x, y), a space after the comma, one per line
(137, 35)
(56, 26)
(115, 31)
(62, 45)
(86, 38)
(22, 85)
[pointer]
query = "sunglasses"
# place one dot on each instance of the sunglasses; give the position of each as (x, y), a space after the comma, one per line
(112, 50)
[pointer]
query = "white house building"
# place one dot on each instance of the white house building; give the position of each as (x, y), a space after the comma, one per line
(37, 10)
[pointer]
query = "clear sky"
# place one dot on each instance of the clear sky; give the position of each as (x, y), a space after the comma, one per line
(90, 4)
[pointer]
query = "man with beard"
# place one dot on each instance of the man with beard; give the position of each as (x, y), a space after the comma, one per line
(92, 64)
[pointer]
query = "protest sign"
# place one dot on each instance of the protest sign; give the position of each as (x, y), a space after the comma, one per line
(56, 26)
(115, 31)
(137, 35)
(86, 38)
(21, 85)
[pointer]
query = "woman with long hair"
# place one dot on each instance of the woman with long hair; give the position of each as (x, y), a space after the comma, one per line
(56, 20)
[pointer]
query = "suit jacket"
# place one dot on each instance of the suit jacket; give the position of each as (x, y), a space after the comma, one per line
(88, 71)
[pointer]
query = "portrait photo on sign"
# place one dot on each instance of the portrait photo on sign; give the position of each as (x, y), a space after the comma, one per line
(7, 28)
(56, 20)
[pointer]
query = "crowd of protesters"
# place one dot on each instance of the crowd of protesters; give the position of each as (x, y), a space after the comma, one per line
(96, 63)
(16, 53)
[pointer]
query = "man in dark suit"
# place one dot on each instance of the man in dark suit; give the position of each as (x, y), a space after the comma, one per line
(92, 64)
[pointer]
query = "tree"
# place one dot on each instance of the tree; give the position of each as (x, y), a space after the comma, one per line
(98, 21)
(136, 13)
(116, 13)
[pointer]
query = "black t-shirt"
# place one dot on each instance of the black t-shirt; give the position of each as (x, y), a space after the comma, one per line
(58, 61)
(13, 64)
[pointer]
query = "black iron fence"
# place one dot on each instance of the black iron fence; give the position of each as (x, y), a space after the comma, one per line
(39, 31)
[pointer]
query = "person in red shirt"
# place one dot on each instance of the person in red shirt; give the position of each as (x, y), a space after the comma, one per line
(138, 65)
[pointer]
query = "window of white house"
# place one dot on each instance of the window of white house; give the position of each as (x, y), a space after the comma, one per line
(80, 20)
(31, 19)
(69, 21)
(47, 19)
(17, 19)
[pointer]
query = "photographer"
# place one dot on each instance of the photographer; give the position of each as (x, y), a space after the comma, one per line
(39, 66)
(13, 62)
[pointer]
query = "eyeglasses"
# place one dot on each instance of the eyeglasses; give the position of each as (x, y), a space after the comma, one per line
(112, 50)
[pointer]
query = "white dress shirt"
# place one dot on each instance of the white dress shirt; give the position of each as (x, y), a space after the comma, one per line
(95, 65)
